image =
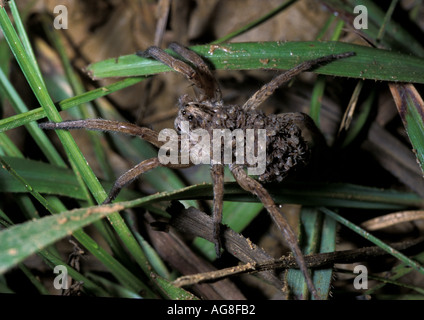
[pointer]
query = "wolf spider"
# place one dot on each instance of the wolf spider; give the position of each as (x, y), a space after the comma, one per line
(286, 147)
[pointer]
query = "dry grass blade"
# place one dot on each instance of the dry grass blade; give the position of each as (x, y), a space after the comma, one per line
(392, 219)
(318, 260)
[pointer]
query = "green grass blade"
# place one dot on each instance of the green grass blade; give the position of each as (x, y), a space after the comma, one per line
(38, 135)
(23, 36)
(369, 63)
(172, 292)
(395, 36)
(410, 106)
(318, 236)
(137, 150)
(113, 289)
(5, 165)
(74, 81)
(68, 142)
(8, 147)
(322, 278)
(374, 240)
(63, 182)
(90, 286)
(397, 272)
(311, 222)
(42, 177)
(361, 119)
(314, 194)
(256, 22)
(20, 241)
(316, 98)
(39, 113)
(34, 280)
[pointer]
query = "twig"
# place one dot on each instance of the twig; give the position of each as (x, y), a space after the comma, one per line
(319, 260)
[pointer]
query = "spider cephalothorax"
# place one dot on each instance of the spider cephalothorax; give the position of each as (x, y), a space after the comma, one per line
(282, 145)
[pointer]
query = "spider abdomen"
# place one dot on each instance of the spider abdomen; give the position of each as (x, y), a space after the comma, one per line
(285, 149)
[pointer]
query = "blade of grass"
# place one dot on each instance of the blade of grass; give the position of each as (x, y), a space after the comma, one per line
(30, 212)
(46, 179)
(92, 287)
(397, 272)
(119, 271)
(8, 147)
(373, 239)
(19, 241)
(361, 119)
(311, 222)
(322, 277)
(305, 193)
(256, 22)
(136, 150)
(410, 106)
(5, 165)
(369, 63)
(316, 98)
(86, 110)
(57, 226)
(78, 89)
(34, 280)
(395, 37)
(351, 107)
(318, 236)
(387, 17)
(39, 113)
(39, 136)
(319, 86)
(173, 292)
(122, 274)
(69, 144)
(23, 36)
(113, 289)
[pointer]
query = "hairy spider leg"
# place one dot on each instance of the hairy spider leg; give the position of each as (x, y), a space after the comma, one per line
(204, 80)
(251, 185)
(217, 174)
(268, 89)
(147, 134)
(121, 127)
(209, 83)
(175, 64)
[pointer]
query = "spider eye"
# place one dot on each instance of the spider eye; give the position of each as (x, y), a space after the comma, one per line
(183, 113)
(190, 117)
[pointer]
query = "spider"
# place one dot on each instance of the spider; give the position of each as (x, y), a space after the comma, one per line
(286, 149)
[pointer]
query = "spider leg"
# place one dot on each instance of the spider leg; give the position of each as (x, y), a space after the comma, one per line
(108, 126)
(122, 127)
(209, 83)
(130, 175)
(217, 173)
(202, 79)
(253, 186)
(178, 65)
(268, 89)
